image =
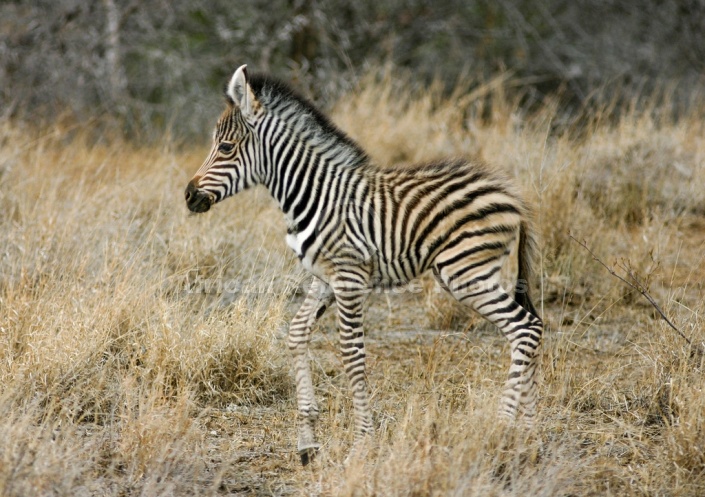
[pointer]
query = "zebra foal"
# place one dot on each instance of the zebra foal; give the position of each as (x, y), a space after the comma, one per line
(356, 226)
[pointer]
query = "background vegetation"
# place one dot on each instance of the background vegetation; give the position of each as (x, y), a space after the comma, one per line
(161, 63)
(142, 349)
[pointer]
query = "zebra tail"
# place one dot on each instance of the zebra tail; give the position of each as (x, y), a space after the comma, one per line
(527, 248)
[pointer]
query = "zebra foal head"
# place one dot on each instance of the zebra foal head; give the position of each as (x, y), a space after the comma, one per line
(229, 167)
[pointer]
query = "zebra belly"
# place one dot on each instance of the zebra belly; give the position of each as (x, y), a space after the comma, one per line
(390, 274)
(383, 273)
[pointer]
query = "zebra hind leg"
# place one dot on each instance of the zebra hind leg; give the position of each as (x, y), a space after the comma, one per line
(522, 328)
(315, 304)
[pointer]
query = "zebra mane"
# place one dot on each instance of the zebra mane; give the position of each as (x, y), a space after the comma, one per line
(277, 95)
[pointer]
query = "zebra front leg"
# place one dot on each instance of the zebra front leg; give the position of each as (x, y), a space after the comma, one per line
(317, 300)
(350, 293)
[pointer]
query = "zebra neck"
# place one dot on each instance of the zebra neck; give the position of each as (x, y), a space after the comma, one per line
(307, 177)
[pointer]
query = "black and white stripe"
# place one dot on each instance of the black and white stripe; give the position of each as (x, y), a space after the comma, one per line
(355, 226)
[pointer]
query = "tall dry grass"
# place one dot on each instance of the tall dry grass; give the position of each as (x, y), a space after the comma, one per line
(142, 353)
(110, 349)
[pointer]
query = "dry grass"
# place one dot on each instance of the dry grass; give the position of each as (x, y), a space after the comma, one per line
(142, 353)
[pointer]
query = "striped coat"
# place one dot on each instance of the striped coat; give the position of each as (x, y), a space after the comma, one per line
(356, 226)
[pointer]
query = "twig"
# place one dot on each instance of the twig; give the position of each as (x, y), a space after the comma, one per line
(641, 288)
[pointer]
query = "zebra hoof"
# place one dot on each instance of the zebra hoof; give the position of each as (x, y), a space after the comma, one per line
(308, 455)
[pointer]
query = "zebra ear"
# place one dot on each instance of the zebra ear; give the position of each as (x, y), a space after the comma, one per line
(240, 93)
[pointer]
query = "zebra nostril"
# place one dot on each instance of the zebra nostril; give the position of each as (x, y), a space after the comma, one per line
(196, 200)
(191, 191)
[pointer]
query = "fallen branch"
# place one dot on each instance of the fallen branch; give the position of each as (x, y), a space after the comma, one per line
(637, 285)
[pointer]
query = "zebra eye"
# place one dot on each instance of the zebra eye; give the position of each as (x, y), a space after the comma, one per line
(226, 147)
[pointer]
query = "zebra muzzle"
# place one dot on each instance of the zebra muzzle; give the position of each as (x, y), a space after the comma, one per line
(197, 200)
